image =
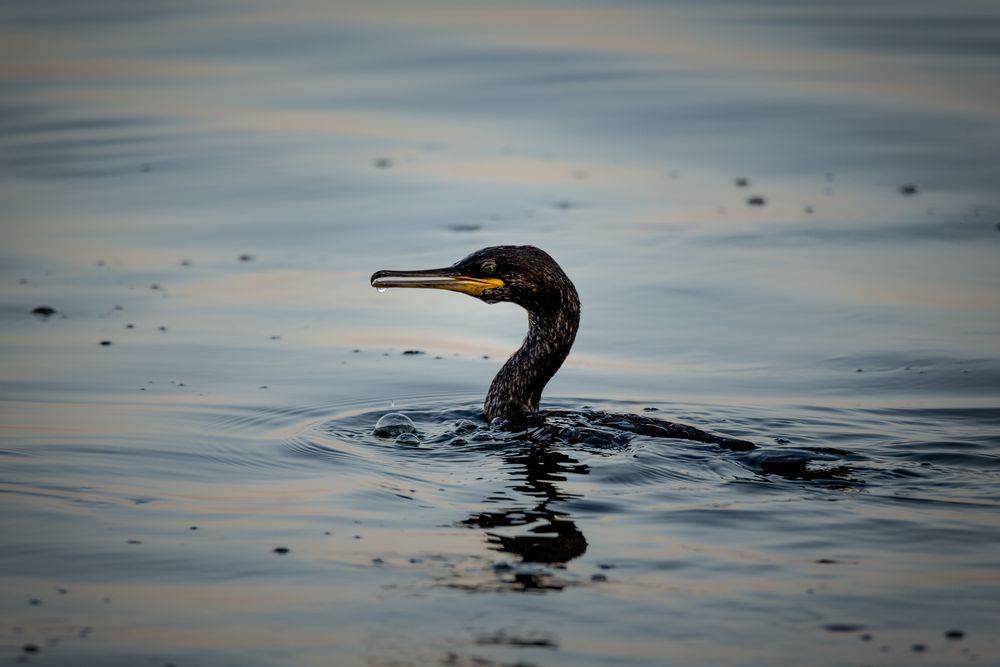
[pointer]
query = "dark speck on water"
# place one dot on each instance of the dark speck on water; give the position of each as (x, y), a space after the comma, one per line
(245, 257)
(742, 182)
(383, 163)
(908, 190)
(105, 343)
(755, 201)
(281, 550)
(843, 627)
(44, 312)
(413, 352)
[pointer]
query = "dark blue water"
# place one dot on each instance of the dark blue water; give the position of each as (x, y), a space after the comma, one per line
(782, 220)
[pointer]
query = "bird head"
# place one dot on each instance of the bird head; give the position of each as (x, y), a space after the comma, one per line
(523, 275)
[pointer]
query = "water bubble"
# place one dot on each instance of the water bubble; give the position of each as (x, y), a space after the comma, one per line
(381, 290)
(407, 439)
(393, 424)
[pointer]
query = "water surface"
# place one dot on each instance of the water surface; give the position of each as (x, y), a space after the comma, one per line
(206, 187)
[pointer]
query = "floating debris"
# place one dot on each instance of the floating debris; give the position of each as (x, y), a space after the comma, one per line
(465, 228)
(105, 343)
(954, 634)
(412, 352)
(908, 190)
(44, 312)
(755, 201)
(245, 257)
(281, 550)
(742, 182)
(383, 163)
(843, 627)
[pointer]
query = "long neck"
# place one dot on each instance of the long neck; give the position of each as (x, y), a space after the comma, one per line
(517, 388)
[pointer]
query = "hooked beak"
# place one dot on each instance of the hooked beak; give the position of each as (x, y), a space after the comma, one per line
(446, 279)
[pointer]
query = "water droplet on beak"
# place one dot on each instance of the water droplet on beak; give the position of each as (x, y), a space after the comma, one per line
(382, 290)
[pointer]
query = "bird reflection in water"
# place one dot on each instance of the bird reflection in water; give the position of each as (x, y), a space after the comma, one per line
(548, 536)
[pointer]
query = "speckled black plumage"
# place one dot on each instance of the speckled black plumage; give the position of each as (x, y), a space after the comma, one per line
(534, 281)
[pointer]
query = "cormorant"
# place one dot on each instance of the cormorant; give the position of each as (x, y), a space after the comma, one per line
(533, 280)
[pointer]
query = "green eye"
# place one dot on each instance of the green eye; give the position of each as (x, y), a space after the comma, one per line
(489, 268)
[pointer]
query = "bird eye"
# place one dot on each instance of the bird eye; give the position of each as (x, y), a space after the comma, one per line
(489, 268)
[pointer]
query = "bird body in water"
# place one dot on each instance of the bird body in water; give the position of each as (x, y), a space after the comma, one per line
(530, 278)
